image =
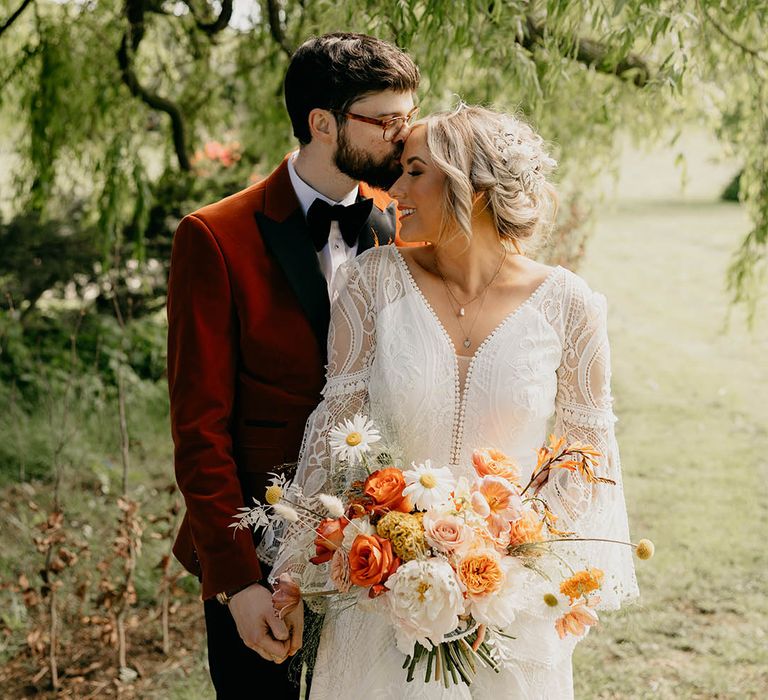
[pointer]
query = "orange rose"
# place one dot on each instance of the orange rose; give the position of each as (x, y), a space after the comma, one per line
(481, 573)
(371, 561)
(330, 534)
(490, 462)
(385, 488)
(526, 529)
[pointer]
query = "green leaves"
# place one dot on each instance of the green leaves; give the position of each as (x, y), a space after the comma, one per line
(583, 72)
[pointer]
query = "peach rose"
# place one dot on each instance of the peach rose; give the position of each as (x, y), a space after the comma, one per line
(330, 533)
(371, 561)
(340, 571)
(385, 488)
(446, 533)
(287, 595)
(490, 462)
(526, 529)
(481, 573)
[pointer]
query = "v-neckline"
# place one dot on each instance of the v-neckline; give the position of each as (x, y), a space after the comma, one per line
(461, 388)
(504, 321)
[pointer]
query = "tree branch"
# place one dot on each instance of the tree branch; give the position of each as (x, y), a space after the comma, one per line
(214, 27)
(128, 46)
(14, 16)
(591, 53)
(276, 28)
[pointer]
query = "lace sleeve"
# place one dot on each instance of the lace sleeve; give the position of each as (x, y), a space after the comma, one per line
(584, 413)
(351, 345)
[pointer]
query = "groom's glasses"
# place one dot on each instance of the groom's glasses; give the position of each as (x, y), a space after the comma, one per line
(390, 127)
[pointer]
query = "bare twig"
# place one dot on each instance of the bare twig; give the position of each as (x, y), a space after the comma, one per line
(124, 438)
(7, 24)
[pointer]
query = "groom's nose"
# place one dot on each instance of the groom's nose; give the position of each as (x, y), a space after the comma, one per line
(403, 134)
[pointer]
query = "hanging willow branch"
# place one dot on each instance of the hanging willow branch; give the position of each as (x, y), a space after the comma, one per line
(592, 53)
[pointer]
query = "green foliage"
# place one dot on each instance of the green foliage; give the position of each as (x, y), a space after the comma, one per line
(582, 72)
(37, 254)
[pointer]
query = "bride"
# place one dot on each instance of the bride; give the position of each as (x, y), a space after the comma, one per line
(467, 343)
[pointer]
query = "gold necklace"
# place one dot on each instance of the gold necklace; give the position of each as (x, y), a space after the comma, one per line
(461, 310)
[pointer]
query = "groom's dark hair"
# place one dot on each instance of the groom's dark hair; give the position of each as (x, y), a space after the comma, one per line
(334, 70)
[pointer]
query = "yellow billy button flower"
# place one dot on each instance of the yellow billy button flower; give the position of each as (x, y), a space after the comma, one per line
(274, 494)
(551, 600)
(645, 549)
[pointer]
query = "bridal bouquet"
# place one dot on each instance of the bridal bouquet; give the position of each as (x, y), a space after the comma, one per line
(450, 561)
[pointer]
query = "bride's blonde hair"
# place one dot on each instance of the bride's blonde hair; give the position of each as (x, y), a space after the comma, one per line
(503, 159)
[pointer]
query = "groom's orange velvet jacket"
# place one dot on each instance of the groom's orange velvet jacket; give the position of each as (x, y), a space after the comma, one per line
(248, 315)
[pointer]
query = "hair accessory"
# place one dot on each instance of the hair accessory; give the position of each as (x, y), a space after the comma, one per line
(523, 156)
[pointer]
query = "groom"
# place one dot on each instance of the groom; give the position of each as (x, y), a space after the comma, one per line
(248, 313)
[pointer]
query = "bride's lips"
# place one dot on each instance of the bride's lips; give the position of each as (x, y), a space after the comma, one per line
(405, 212)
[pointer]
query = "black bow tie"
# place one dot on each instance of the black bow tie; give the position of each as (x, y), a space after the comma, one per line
(351, 219)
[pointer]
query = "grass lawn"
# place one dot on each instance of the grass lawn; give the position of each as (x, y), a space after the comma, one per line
(690, 395)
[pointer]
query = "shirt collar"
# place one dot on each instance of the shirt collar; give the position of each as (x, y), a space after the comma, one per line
(307, 194)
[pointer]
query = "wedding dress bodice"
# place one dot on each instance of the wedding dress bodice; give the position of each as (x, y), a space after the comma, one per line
(546, 366)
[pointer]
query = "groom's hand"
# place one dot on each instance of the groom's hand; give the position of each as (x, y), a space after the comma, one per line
(259, 626)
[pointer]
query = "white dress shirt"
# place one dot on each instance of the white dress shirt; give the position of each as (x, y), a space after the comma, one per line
(336, 251)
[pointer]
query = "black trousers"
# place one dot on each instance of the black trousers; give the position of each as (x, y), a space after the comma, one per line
(237, 672)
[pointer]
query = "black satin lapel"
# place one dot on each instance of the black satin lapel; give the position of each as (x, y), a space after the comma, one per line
(289, 243)
(379, 229)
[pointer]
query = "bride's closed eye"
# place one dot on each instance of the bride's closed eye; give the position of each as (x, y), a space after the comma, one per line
(415, 173)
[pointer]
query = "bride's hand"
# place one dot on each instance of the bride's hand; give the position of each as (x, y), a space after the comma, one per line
(295, 622)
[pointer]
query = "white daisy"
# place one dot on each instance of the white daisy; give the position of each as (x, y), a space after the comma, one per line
(428, 486)
(550, 603)
(351, 439)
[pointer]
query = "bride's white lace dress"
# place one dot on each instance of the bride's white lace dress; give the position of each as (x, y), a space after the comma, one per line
(390, 358)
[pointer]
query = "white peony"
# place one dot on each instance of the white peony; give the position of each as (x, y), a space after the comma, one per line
(425, 601)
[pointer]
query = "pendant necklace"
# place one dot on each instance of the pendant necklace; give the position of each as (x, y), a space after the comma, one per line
(461, 307)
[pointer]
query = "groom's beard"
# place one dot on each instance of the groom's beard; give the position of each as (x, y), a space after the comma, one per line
(360, 165)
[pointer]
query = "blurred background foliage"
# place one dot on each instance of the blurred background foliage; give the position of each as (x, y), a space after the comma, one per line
(117, 118)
